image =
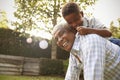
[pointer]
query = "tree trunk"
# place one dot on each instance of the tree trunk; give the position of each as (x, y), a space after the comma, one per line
(53, 50)
(54, 46)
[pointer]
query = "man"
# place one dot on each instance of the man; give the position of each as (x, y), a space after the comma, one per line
(99, 58)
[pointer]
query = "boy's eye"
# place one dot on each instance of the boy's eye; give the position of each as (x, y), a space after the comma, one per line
(69, 22)
(76, 19)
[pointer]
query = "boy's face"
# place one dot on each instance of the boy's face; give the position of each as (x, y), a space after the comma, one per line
(64, 39)
(74, 19)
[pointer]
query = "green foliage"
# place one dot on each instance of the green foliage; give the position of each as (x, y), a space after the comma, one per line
(30, 13)
(62, 54)
(115, 29)
(65, 64)
(51, 66)
(13, 44)
(25, 14)
(3, 20)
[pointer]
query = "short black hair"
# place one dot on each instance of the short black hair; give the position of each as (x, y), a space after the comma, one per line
(69, 8)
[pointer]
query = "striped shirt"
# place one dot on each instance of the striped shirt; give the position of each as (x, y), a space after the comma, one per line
(100, 59)
(93, 23)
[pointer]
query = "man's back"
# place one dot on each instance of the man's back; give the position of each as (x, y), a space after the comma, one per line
(100, 57)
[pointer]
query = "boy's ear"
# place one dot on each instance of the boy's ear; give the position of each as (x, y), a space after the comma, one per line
(81, 12)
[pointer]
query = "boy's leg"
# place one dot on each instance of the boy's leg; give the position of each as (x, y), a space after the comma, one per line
(115, 41)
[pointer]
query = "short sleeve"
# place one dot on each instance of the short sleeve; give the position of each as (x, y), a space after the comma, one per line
(95, 23)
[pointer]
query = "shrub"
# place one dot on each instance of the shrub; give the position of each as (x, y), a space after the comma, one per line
(50, 66)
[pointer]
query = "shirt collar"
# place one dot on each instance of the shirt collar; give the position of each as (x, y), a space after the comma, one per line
(76, 44)
(85, 21)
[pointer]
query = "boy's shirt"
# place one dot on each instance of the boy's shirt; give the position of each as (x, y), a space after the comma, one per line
(96, 24)
(93, 23)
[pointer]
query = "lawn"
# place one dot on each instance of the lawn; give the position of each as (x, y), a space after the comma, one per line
(8, 77)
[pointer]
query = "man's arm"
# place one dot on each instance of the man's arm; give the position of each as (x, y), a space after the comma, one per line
(101, 32)
(94, 55)
(73, 71)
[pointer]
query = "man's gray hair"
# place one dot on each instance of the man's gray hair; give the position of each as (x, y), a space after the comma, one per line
(59, 26)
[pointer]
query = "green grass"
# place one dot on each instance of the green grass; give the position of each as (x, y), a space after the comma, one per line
(8, 77)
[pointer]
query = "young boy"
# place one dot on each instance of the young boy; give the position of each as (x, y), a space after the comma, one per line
(75, 18)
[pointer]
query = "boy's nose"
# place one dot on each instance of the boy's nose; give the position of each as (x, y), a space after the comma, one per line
(74, 25)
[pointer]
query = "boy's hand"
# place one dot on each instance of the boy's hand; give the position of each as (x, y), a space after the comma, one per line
(82, 30)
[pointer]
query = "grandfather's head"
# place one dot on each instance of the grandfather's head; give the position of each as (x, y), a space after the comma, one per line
(64, 36)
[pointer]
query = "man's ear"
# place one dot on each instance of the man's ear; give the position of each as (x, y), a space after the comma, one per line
(81, 12)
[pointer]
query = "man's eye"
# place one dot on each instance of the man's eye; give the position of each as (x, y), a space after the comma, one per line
(56, 39)
(61, 33)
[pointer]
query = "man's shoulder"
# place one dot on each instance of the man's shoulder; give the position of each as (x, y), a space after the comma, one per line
(94, 37)
(91, 38)
(90, 18)
(91, 21)
(88, 36)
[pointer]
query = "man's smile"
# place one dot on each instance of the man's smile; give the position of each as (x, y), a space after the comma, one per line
(65, 44)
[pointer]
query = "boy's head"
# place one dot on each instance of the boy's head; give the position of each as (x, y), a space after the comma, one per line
(64, 36)
(72, 14)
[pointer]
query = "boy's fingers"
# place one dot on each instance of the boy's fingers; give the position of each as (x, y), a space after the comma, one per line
(78, 28)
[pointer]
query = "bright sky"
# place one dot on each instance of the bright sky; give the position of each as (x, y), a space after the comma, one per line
(8, 6)
(105, 10)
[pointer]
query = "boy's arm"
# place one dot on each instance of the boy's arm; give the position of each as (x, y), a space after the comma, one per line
(101, 32)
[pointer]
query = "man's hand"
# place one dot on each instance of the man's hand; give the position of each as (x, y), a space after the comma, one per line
(82, 30)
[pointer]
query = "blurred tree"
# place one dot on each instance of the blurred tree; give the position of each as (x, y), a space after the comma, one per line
(115, 29)
(31, 14)
(3, 20)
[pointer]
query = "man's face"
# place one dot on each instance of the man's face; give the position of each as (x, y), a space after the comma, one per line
(64, 39)
(74, 19)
